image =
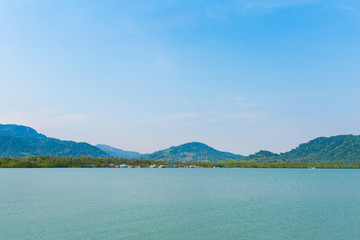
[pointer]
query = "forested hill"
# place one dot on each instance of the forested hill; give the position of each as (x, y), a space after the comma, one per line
(21, 141)
(262, 156)
(194, 151)
(19, 131)
(342, 149)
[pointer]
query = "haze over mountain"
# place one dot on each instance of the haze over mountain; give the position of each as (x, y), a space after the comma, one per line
(22, 141)
(193, 151)
(116, 152)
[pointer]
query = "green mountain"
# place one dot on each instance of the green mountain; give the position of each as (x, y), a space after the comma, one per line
(194, 151)
(342, 149)
(21, 141)
(116, 152)
(18, 131)
(262, 156)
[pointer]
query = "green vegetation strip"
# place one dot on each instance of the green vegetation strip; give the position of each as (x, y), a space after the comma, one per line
(83, 162)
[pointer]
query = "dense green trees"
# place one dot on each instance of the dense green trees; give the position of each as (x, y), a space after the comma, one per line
(251, 164)
(342, 149)
(66, 162)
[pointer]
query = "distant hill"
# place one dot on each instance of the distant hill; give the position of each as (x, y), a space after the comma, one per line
(21, 141)
(191, 152)
(116, 152)
(342, 149)
(262, 156)
(18, 131)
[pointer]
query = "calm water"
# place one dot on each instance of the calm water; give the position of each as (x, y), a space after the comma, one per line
(179, 204)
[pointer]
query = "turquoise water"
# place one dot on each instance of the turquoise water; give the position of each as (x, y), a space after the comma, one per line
(179, 204)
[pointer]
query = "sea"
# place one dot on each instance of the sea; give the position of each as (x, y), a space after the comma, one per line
(179, 204)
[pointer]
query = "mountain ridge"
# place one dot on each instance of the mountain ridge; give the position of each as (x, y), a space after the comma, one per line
(23, 141)
(192, 151)
(340, 149)
(18, 131)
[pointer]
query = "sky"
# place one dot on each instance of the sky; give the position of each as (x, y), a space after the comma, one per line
(238, 75)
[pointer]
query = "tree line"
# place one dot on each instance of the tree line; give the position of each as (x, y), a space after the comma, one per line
(83, 162)
(75, 162)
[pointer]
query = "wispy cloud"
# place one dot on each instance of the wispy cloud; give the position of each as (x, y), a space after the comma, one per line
(174, 117)
(273, 4)
(203, 118)
(42, 119)
(351, 6)
(239, 117)
(247, 115)
(221, 11)
(230, 101)
(16, 3)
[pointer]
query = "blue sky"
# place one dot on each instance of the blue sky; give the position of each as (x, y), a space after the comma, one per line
(141, 75)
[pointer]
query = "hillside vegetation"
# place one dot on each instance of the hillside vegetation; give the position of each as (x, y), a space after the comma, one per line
(342, 149)
(20, 141)
(191, 152)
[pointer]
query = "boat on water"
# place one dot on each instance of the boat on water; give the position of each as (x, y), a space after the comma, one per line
(313, 168)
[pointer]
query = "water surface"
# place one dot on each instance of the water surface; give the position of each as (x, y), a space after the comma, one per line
(165, 204)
